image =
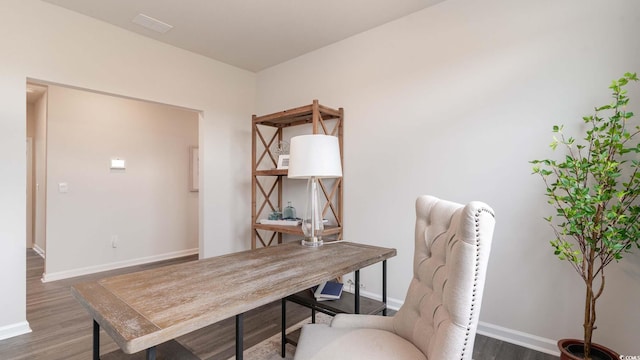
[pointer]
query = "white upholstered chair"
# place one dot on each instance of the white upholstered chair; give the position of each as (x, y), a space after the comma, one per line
(439, 317)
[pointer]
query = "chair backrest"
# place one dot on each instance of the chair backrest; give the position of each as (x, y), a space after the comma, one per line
(452, 245)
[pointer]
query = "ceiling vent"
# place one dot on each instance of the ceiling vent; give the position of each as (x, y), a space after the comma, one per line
(152, 24)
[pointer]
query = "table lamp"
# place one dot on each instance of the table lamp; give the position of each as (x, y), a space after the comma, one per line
(312, 157)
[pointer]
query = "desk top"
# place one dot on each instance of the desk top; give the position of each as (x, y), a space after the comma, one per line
(146, 308)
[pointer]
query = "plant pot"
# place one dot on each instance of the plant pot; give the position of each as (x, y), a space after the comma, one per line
(573, 349)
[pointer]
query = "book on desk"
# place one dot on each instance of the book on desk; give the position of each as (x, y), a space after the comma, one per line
(328, 290)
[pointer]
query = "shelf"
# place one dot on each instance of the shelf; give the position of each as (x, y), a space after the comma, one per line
(346, 303)
(296, 230)
(296, 116)
(293, 337)
(268, 183)
(272, 172)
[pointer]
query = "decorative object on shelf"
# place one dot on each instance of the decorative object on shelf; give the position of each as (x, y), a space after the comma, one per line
(312, 157)
(289, 222)
(281, 149)
(289, 212)
(595, 192)
(283, 162)
(328, 290)
(275, 215)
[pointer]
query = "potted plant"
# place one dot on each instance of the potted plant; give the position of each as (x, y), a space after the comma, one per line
(594, 190)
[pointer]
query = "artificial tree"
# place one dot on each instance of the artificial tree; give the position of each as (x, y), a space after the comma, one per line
(594, 190)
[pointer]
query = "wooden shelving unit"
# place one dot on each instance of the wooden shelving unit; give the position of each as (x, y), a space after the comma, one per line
(267, 181)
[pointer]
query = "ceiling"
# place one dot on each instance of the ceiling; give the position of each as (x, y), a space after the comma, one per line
(250, 34)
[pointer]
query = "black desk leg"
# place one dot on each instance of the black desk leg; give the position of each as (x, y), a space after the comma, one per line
(239, 337)
(284, 326)
(357, 304)
(384, 287)
(96, 340)
(151, 353)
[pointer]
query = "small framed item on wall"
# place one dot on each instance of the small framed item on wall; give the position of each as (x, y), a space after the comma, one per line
(283, 162)
(194, 166)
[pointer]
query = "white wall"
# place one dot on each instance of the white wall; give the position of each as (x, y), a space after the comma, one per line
(148, 206)
(454, 101)
(45, 42)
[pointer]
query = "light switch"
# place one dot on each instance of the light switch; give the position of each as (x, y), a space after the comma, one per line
(63, 187)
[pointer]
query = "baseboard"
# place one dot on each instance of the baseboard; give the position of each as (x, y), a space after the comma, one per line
(38, 250)
(393, 304)
(520, 338)
(47, 277)
(14, 330)
(516, 337)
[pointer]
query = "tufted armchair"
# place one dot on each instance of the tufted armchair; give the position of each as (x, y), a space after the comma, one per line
(439, 317)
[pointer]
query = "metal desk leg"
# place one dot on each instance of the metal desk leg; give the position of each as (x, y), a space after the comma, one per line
(151, 353)
(284, 327)
(384, 287)
(96, 340)
(239, 337)
(357, 304)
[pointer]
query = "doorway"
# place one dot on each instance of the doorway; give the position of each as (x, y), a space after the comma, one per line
(36, 167)
(115, 182)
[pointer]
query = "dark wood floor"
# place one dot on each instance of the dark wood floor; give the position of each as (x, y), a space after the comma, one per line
(486, 348)
(62, 328)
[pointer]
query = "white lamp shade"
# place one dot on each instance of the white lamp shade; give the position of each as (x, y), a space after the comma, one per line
(314, 155)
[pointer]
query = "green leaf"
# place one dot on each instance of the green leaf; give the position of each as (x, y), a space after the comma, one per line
(595, 188)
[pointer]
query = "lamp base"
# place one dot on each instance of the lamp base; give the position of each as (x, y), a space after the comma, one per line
(312, 242)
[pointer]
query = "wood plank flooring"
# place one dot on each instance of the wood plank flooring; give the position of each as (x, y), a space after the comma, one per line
(486, 348)
(62, 328)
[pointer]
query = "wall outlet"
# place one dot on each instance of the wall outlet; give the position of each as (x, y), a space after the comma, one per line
(114, 241)
(351, 285)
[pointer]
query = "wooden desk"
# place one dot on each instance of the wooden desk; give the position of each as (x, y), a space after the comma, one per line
(147, 308)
